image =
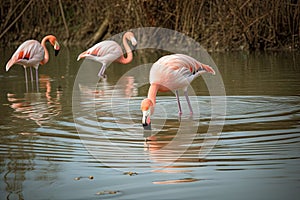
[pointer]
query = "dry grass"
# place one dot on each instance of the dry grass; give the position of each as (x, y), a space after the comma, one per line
(216, 24)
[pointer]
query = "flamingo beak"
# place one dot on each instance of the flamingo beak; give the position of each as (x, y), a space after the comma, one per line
(147, 126)
(133, 41)
(146, 120)
(56, 48)
(56, 52)
(134, 44)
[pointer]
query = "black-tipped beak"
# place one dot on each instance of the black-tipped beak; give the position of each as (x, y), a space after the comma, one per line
(147, 126)
(134, 52)
(56, 52)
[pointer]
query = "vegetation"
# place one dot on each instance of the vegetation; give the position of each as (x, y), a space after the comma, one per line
(216, 24)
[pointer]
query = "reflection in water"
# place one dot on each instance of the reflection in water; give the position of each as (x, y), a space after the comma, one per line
(20, 161)
(169, 148)
(253, 122)
(257, 152)
(35, 106)
(127, 88)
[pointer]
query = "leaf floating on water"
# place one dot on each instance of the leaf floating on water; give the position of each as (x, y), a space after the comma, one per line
(108, 192)
(28, 134)
(176, 181)
(130, 173)
(80, 177)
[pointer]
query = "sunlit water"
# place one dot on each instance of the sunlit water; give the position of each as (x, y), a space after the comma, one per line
(50, 152)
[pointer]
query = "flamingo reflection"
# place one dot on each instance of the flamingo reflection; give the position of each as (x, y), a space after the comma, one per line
(126, 87)
(174, 151)
(39, 107)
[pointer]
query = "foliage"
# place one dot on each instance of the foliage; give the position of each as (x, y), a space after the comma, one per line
(216, 24)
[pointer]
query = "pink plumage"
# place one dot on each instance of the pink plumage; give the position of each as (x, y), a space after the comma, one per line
(108, 51)
(31, 53)
(171, 73)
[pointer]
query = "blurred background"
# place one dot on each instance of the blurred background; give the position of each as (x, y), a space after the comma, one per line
(217, 24)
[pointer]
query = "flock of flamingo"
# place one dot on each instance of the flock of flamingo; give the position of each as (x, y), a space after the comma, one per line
(169, 73)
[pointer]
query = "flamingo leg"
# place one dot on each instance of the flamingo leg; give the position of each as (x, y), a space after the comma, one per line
(37, 79)
(178, 102)
(31, 76)
(102, 70)
(26, 79)
(188, 101)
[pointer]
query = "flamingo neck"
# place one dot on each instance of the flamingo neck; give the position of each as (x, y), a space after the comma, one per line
(129, 56)
(152, 92)
(46, 56)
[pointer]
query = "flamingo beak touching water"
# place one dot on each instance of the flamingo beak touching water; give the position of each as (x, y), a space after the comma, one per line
(146, 120)
(56, 48)
(174, 71)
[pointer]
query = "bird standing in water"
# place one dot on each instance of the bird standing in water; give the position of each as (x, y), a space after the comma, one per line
(108, 51)
(171, 73)
(31, 53)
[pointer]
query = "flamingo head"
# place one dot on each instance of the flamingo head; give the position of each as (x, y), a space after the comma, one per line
(130, 36)
(55, 44)
(147, 109)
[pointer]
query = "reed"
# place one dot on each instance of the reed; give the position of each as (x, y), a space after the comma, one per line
(216, 24)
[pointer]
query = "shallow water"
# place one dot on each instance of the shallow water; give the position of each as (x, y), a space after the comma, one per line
(52, 141)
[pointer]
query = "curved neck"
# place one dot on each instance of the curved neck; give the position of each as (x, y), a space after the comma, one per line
(46, 56)
(152, 92)
(129, 56)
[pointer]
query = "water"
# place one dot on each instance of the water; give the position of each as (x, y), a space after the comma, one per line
(49, 150)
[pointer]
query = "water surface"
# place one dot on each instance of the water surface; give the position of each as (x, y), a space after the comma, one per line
(46, 155)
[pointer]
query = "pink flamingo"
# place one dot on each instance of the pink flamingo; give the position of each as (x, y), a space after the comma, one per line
(171, 73)
(31, 53)
(106, 52)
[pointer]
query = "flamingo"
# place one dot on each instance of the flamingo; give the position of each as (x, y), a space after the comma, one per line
(171, 73)
(106, 52)
(31, 53)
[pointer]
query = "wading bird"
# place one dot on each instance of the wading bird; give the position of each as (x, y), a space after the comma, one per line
(108, 51)
(31, 53)
(171, 73)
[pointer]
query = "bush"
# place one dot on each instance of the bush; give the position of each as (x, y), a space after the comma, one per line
(216, 24)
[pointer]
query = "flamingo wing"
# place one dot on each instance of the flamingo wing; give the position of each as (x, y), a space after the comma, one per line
(103, 52)
(29, 53)
(176, 71)
(171, 71)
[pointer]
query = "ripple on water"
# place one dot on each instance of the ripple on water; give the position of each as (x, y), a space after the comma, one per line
(257, 130)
